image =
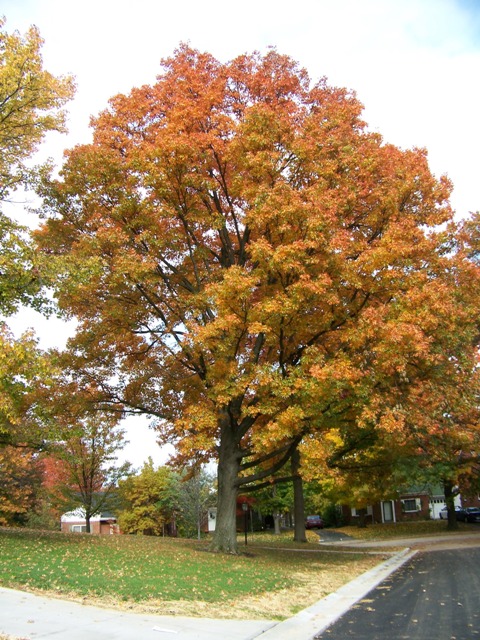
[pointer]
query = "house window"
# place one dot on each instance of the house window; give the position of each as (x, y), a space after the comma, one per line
(411, 504)
(78, 528)
(355, 512)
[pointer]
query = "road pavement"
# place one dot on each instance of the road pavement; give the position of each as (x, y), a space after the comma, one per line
(434, 596)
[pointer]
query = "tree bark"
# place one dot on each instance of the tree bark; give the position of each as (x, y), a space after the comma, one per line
(298, 499)
(362, 517)
(276, 523)
(452, 524)
(225, 534)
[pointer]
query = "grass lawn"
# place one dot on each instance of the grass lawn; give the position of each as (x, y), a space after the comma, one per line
(275, 578)
(176, 576)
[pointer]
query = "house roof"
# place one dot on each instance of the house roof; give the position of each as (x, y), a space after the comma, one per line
(78, 515)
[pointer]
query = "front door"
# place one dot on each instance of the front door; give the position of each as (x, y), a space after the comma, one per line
(388, 514)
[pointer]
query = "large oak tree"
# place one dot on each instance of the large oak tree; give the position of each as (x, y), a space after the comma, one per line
(248, 263)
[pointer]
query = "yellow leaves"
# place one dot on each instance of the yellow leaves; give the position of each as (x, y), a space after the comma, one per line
(23, 371)
(338, 370)
(31, 100)
(282, 427)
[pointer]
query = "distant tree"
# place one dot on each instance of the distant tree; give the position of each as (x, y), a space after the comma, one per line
(195, 494)
(274, 500)
(432, 437)
(48, 510)
(444, 430)
(90, 472)
(20, 485)
(148, 500)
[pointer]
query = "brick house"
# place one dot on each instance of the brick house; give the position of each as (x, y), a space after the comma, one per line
(104, 523)
(415, 504)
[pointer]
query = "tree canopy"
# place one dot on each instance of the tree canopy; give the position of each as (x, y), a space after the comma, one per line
(31, 101)
(31, 104)
(250, 265)
(25, 375)
(148, 500)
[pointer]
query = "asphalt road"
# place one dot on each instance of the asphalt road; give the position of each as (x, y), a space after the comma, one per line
(435, 596)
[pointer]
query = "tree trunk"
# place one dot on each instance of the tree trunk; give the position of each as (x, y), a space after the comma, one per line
(199, 526)
(298, 500)
(276, 514)
(276, 523)
(225, 534)
(87, 522)
(452, 524)
(362, 517)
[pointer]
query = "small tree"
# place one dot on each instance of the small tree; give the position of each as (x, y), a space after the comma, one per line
(196, 493)
(89, 454)
(147, 500)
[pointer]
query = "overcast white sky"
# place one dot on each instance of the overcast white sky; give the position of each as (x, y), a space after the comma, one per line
(415, 65)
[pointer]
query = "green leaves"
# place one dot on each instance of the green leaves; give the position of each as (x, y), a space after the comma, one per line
(20, 279)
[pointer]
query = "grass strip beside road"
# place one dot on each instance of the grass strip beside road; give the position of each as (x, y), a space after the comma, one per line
(175, 576)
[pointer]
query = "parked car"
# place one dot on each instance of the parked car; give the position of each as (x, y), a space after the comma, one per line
(314, 522)
(472, 514)
(460, 514)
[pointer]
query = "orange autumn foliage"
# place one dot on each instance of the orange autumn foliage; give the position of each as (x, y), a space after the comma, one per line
(249, 264)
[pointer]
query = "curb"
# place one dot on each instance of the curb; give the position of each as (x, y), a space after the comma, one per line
(310, 622)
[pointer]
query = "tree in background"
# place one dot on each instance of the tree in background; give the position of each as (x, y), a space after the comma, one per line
(195, 494)
(249, 264)
(432, 437)
(148, 501)
(444, 429)
(273, 501)
(20, 485)
(48, 511)
(90, 472)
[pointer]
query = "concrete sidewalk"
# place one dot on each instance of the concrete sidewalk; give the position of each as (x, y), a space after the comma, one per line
(24, 615)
